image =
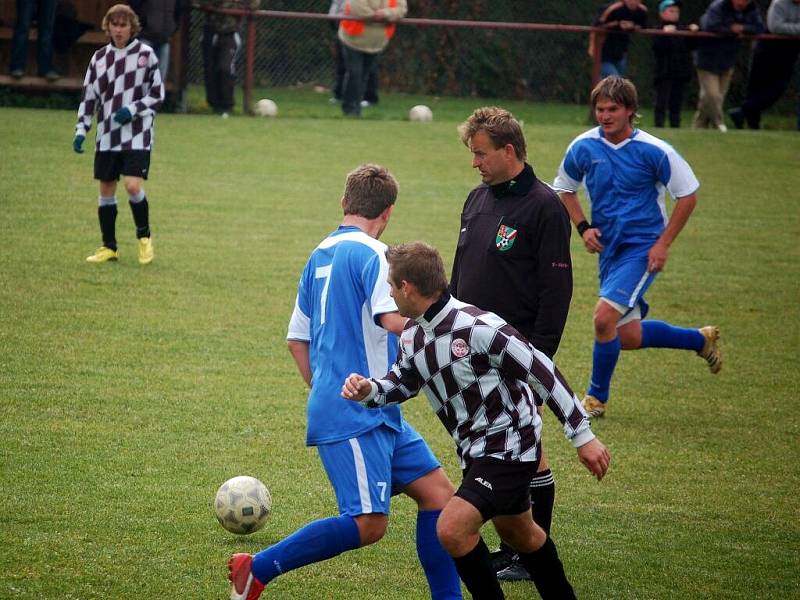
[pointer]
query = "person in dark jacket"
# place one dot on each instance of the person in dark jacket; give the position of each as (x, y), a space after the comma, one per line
(221, 45)
(159, 19)
(673, 68)
(513, 258)
(715, 58)
(619, 18)
(773, 65)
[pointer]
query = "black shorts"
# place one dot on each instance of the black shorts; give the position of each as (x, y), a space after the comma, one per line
(497, 487)
(108, 166)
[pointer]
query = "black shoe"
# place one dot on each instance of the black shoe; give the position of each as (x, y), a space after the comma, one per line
(501, 559)
(52, 76)
(514, 572)
(737, 117)
(17, 73)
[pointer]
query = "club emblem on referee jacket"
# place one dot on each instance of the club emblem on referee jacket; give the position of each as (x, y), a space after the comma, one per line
(459, 348)
(505, 238)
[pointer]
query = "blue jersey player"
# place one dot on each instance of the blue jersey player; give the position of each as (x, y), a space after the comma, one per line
(626, 173)
(345, 320)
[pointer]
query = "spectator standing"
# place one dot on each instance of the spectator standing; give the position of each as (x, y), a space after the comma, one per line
(123, 87)
(485, 382)
(221, 45)
(345, 319)
(514, 236)
(363, 42)
(673, 65)
(159, 19)
(337, 10)
(371, 85)
(45, 11)
(773, 65)
(627, 172)
(619, 19)
(715, 58)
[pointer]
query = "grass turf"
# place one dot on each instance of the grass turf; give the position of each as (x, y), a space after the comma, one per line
(129, 394)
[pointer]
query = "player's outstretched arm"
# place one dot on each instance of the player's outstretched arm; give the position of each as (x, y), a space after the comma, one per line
(356, 387)
(595, 457)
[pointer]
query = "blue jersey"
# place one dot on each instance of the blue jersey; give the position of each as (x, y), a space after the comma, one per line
(342, 292)
(625, 185)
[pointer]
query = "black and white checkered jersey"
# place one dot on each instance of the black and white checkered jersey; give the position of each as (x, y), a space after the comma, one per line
(483, 380)
(119, 77)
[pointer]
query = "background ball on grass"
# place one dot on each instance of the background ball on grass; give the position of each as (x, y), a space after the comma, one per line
(420, 112)
(266, 108)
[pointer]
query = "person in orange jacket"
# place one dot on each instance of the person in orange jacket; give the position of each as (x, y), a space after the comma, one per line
(362, 42)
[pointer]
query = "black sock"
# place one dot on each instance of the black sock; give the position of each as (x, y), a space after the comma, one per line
(543, 495)
(107, 215)
(475, 570)
(141, 217)
(547, 572)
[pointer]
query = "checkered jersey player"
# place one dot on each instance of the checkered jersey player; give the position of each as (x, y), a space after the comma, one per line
(123, 88)
(484, 381)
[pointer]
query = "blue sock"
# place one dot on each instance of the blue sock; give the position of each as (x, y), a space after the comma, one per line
(657, 334)
(438, 566)
(604, 359)
(317, 541)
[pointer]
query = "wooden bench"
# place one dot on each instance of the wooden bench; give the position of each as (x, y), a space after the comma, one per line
(71, 65)
(74, 62)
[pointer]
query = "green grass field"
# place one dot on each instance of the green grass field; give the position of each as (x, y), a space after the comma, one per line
(130, 393)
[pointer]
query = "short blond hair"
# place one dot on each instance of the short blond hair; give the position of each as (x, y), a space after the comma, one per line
(368, 191)
(500, 126)
(122, 11)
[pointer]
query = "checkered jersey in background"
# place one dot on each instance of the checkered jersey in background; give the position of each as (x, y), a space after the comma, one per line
(476, 370)
(119, 77)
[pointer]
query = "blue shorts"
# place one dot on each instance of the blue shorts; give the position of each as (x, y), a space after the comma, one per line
(365, 471)
(625, 279)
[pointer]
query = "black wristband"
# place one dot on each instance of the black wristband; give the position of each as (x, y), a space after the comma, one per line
(582, 227)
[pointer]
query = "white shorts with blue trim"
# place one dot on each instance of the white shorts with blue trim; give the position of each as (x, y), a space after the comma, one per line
(365, 471)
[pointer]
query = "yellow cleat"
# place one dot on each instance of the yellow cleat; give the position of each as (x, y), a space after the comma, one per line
(146, 254)
(593, 406)
(103, 254)
(711, 351)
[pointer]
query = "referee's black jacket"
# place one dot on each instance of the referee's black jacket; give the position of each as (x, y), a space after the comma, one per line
(513, 257)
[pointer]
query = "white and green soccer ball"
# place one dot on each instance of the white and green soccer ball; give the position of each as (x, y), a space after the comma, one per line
(242, 504)
(266, 108)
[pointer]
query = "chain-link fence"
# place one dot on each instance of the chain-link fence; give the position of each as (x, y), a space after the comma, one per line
(462, 61)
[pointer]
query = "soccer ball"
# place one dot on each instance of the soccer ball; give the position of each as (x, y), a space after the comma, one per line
(266, 108)
(420, 112)
(242, 504)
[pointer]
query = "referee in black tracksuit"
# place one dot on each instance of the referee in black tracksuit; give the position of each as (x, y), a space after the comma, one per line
(513, 259)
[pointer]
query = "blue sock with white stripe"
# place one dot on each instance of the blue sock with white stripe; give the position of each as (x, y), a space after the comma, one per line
(658, 334)
(439, 568)
(604, 360)
(317, 541)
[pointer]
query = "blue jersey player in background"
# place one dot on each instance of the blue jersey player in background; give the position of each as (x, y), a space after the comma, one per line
(344, 321)
(626, 173)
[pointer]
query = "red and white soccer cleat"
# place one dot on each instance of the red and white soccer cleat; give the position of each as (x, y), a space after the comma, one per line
(243, 585)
